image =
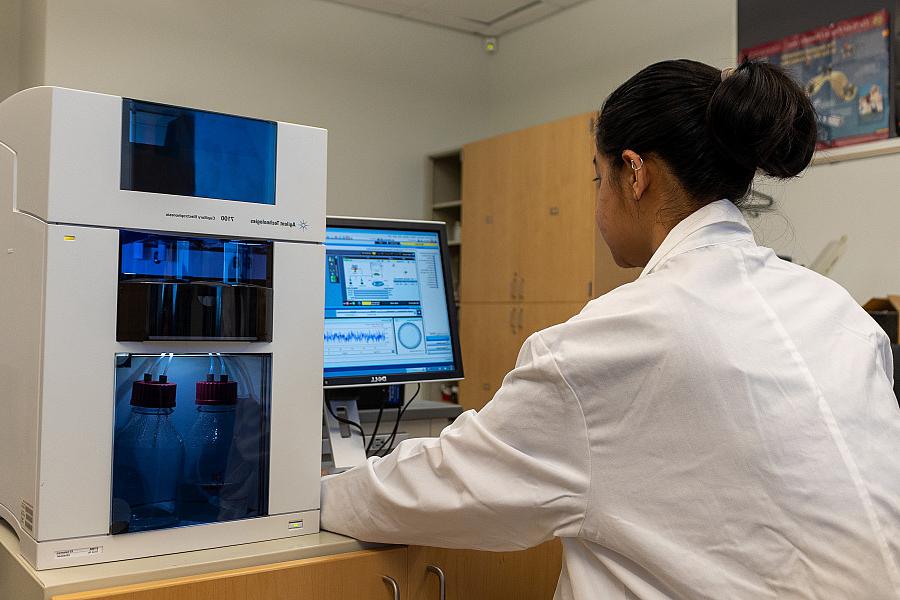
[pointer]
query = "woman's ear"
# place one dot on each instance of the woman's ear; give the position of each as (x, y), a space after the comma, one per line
(638, 174)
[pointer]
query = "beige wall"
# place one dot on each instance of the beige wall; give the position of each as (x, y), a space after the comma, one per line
(859, 198)
(392, 91)
(570, 62)
(9, 46)
(32, 44)
(389, 91)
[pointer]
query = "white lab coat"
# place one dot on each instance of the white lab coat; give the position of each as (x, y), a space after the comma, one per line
(724, 427)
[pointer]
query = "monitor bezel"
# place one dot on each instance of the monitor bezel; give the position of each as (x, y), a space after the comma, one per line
(440, 228)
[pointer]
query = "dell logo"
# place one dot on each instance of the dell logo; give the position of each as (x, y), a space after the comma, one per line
(379, 379)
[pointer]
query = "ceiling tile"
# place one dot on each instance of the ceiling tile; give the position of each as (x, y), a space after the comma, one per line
(444, 20)
(522, 18)
(484, 11)
(484, 17)
(393, 7)
(412, 3)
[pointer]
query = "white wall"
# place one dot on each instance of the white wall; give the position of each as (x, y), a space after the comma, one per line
(32, 42)
(860, 198)
(389, 91)
(569, 62)
(9, 46)
(392, 91)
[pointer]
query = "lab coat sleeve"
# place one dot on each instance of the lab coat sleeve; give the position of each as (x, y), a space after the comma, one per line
(887, 356)
(508, 477)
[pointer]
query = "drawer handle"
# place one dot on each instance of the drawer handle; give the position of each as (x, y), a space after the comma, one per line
(394, 586)
(441, 579)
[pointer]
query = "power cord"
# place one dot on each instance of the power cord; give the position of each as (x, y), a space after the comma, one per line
(377, 422)
(389, 445)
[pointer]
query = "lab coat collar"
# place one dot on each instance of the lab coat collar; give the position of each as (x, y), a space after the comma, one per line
(716, 223)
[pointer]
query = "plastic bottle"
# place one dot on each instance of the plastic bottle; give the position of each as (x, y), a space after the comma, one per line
(208, 445)
(148, 461)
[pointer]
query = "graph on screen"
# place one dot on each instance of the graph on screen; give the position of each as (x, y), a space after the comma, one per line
(356, 336)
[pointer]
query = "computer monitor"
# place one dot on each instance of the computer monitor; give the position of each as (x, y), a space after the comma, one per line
(390, 316)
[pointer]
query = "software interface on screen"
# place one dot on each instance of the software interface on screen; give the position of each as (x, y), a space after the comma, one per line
(385, 304)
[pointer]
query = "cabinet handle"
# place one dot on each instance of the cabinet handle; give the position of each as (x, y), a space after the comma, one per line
(519, 325)
(441, 579)
(521, 288)
(513, 284)
(394, 586)
(512, 320)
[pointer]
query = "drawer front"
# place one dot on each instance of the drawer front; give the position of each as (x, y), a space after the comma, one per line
(350, 576)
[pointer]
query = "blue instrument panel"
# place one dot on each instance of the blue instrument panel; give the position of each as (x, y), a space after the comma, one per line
(187, 152)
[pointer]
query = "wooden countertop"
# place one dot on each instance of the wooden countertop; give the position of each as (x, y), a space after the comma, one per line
(19, 581)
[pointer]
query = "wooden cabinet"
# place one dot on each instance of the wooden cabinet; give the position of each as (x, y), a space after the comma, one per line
(491, 335)
(474, 575)
(486, 272)
(537, 316)
(528, 227)
(533, 255)
(557, 217)
(351, 576)
(468, 575)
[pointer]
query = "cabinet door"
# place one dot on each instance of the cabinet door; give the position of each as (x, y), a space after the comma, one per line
(538, 316)
(490, 337)
(557, 214)
(474, 575)
(528, 223)
(351, 576)
(491, 244)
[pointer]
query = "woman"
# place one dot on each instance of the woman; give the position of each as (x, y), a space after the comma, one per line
(723, 427)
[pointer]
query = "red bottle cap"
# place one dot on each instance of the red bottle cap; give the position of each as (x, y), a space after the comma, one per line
(153, 394)
(217, 393)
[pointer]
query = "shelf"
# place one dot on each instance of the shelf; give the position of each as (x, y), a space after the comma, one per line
(453, 153)
(856, 151)
(453, 242)
(443, 205)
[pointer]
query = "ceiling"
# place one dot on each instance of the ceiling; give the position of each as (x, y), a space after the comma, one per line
(482, 17)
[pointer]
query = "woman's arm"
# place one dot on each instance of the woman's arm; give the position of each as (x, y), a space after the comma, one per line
(508, 477)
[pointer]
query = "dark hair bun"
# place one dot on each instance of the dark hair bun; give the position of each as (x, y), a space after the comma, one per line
(761, 119)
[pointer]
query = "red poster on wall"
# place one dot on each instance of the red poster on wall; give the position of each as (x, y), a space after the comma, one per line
(845, 69)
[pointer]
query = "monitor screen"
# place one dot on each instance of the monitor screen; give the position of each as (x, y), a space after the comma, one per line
(389, 310)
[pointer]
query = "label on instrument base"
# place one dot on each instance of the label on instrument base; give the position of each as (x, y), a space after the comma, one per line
(79, 552)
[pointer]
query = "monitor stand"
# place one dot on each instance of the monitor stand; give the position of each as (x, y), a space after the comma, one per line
(348, 447)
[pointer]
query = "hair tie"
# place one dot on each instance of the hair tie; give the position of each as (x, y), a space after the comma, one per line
(726, 73)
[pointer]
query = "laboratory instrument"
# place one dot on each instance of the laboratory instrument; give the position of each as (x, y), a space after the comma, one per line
(161, 340)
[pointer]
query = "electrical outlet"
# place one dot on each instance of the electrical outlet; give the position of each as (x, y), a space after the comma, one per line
(382, 438)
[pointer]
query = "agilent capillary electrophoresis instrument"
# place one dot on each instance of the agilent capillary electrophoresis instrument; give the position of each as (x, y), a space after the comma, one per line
(161, 332)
